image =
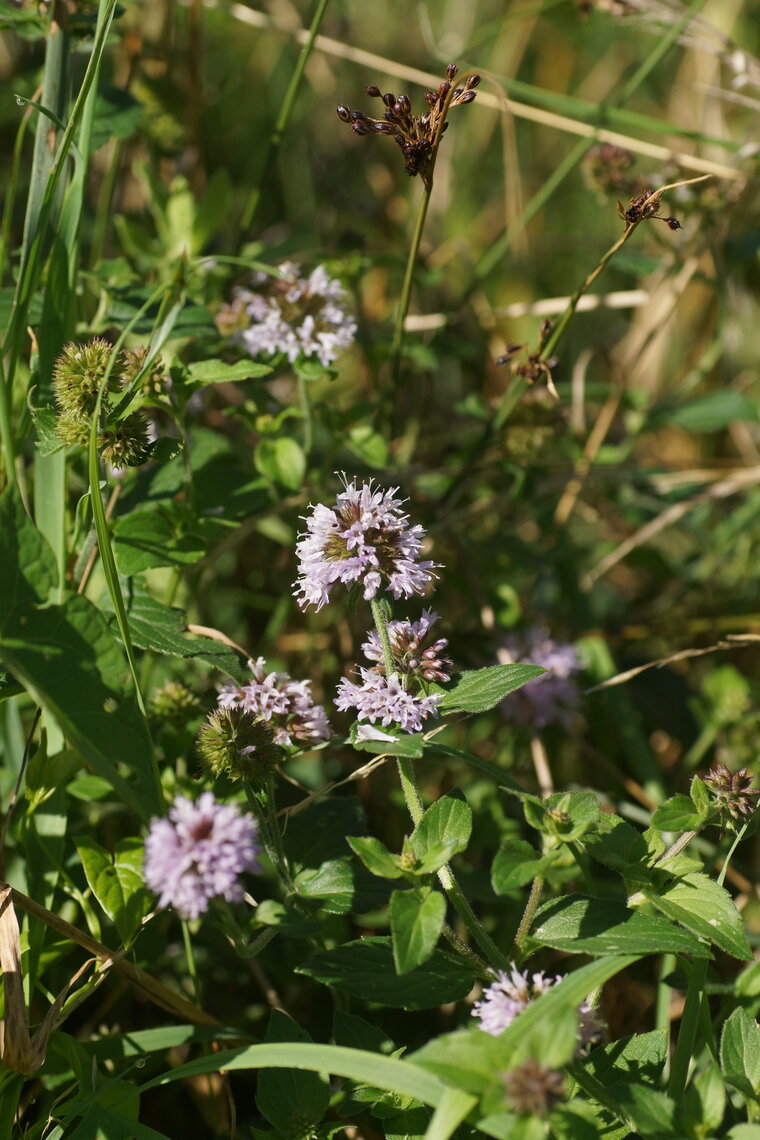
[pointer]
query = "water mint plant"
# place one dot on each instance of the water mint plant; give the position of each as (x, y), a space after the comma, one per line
(419, 801)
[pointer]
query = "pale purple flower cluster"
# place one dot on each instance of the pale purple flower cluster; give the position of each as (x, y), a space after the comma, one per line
(513, 992)
(365, 538)
(384, 699)
(299, 316)
(198, 852)
(555, 696)
(286, 704)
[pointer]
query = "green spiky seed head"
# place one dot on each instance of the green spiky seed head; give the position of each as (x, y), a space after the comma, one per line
(173, 704)
(236, 744)
(125, 443)
(153, 382)
(78, 374)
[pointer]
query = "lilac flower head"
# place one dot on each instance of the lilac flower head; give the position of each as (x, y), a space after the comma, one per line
(299, 316)
(555, 696)
(364, 538)
(415, 654)
(198, 852)
(384, 699)
(287, 705)
(513, 992)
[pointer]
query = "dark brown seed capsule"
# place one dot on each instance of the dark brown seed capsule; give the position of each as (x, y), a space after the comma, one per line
(467, 97)
(360, 128)
(444, 89)
(472, 81)
(358, 116)
(451, 70)
(373, 91)
(344, 112)
(389, 98)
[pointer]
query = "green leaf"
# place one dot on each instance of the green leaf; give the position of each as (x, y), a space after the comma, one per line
(217, 372)
(677, 814)
(315, 836)
(161, 629)
(700, 796)
(117, 115)
(417, 918)
(385, 1072)
(27, 564)
(639, 1058)
(292, 1101)
(620, 847)
(606, 926)
(342, 888)
(45, 421)
(704, 1102)
(517, 862)
(292, 922)
(707, 909)
(148, 538)
(366, 969)
(351, 1030)
(397, 742)
(744, 1132)
(740, 1053)
(375, 856)
(68, 659)
(448, 821)
(713, 412)
(281, 460)
(117, 883)
(479, 690)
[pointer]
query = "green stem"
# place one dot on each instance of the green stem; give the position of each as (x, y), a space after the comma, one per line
(416, 808)
(283, 118)
(307, 416)
(406, 288)
(264, 808)
(192, 968)
(529, 913)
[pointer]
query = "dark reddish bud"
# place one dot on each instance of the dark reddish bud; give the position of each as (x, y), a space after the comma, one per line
(444, 89)
(404, 103)
(467, 97)
(373, 91)
(389, 98)
(472, 81)
(358, 116)
(431, 98)
(459, 93)
(451, 70)
(344, 113)
(360, 128)
(672, 223)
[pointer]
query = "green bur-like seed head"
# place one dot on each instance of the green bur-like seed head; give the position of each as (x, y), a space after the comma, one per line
(236, 744)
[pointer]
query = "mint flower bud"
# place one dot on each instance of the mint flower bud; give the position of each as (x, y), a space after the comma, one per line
(237, 744)
(416, 656)
(731, 793)
(153, 383)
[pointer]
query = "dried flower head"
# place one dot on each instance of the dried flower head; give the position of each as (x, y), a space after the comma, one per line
(644, 207)
(555, 696)
(238, 744)
(416, 656)
(364, 538)
(513, 992)
(286, 705)
(298, 316)
(198, 852)
(732, 793)
(608, 169)
(416, 135)
(534, 1089)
